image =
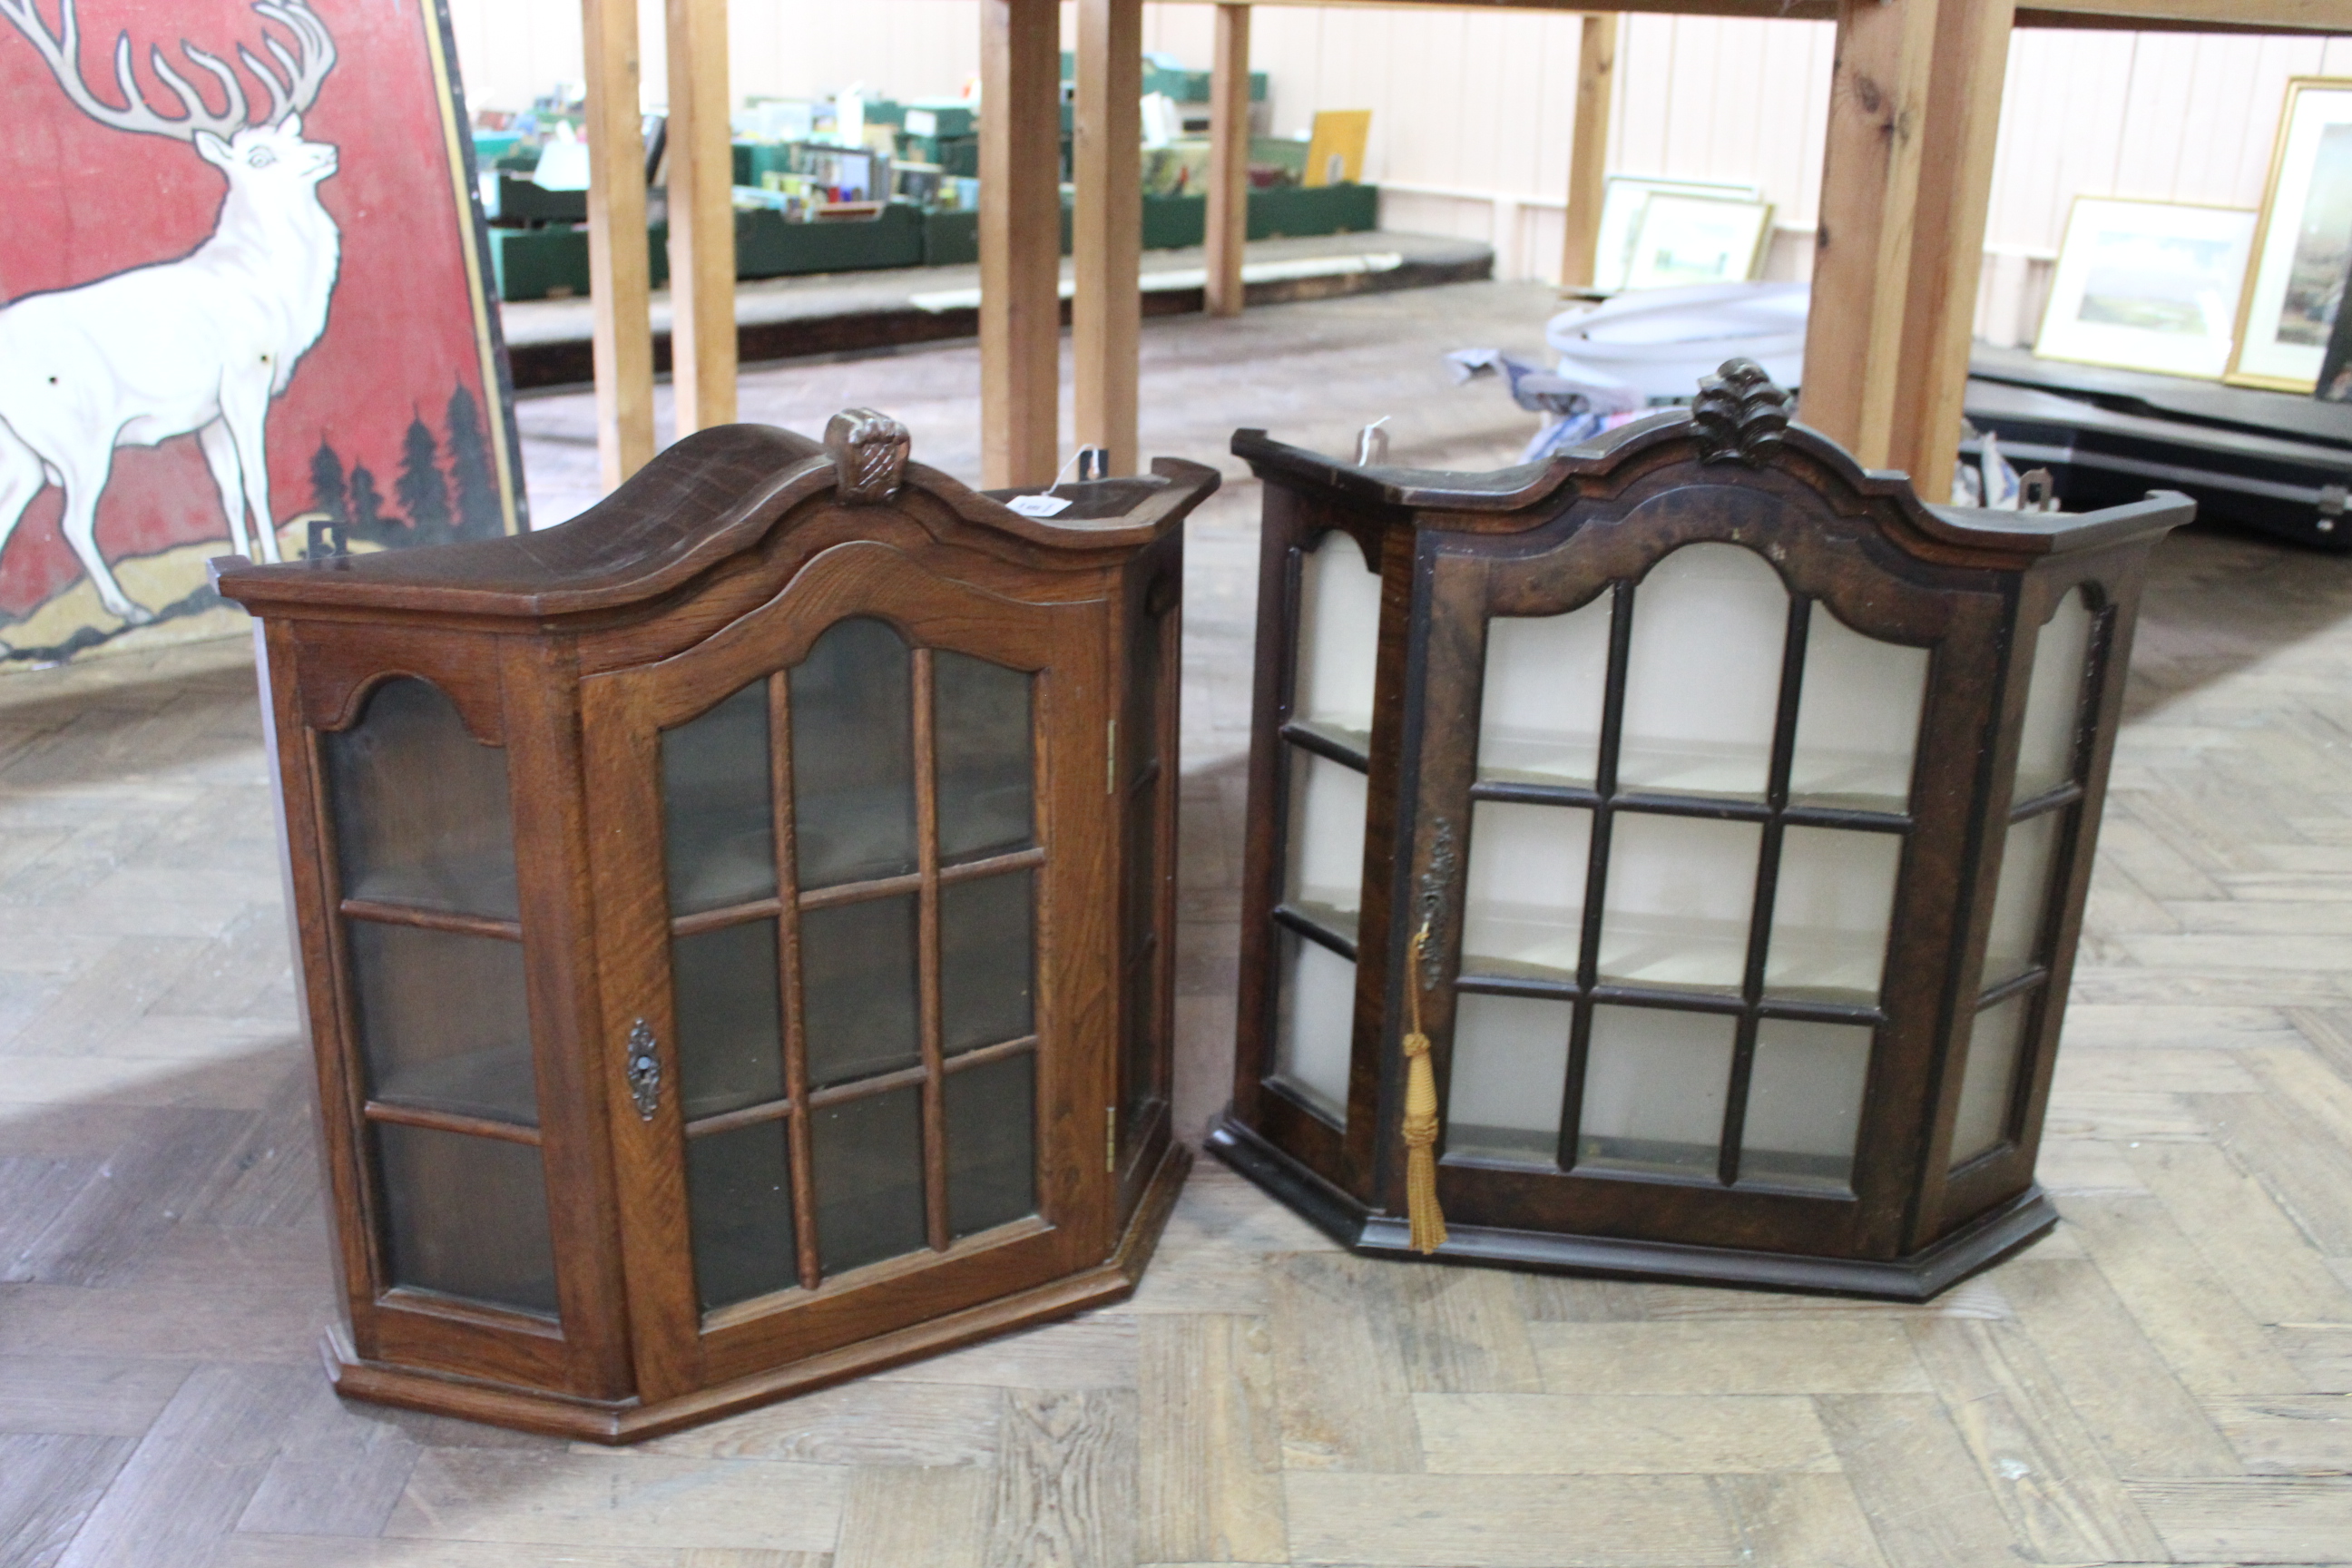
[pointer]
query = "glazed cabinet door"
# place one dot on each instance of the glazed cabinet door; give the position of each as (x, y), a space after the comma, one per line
(855, 911)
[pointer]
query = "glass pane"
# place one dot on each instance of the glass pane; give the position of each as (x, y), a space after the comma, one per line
(1326, 840)
(1989, 1079)
(1680, 891)
(443, 1021)
(730, 1035)
(1510, 1068)
(858, 998)
(992, 1148)
(420, 806)
(2053, 698)
(1539, 711)
(868, 1159)
(853, 757)
(1338, 637)
(1314, 1023)
(1654, 1085)
(1523, 910)
(718, 808)
(981, 711)
(1703, 673)
(739, 1192)
(468, 1216)
(1858, 719)
(2014, 943)
(1805, 1104)
(1832, 909)
(987, 964)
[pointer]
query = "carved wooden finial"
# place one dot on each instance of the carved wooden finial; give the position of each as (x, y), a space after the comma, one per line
(1739, 414)
(869, 453)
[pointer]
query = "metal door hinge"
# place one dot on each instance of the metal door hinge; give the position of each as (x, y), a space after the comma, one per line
(1110, 759)
(642, 1070)
(1111, 1139)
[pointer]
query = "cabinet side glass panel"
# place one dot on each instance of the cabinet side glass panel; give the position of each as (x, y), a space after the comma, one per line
(1326, 874)
(1656, 1082)
(730, 1025)
(853, 756)
(421, 808)
(1338, 639)
(2053, 698)
(740, 1197)
(992, 1143)
(1988, 1079)
(867, 1157)
(443, 1021)
(986, 775)
(1703, 674)
(467, 1216)
(1540, 707)
(1858, 721)
(718, 808)
(1314, 1023)
(1508, 1074)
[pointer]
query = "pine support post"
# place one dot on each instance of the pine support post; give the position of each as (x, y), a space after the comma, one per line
(618, 267)
(1106, 229)
(1229, 139)
(1587, 154)
(1020, 240)
(701, 218)
(1915, 108)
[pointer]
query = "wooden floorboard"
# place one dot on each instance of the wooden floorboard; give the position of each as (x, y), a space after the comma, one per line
(2166, 1377)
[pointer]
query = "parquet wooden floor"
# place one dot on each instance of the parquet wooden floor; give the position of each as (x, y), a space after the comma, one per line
(2168, 1378)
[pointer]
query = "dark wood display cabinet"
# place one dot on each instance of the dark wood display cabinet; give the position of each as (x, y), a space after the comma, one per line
(1669, 856)
(734, 925)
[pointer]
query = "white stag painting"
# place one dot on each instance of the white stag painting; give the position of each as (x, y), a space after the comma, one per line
(165, 389)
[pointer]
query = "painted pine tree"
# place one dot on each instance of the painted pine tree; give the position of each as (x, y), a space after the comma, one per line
(368, 521)
(330, 490)
(422, 490)
(473, 477)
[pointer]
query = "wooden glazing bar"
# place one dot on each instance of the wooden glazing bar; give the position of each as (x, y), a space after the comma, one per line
(1518, 986)
(1106, 226)
(980, 1056)
(972, 870)
(1724, 1002)
(1020, 241)
(701, 219)
(1596, 875)
(860, 892)
(1229, 138)
(719, 919)
(1768, 879)
(2065, 795)
(749, 1116)
(920, 1075)
(2011, 987)
(451, 1122)
(793, 1014)
(1313, 738)
(1814, 1012)
(1588, 153)
(1314, 930)
(618, 267)
(431, 919)
(927, 927)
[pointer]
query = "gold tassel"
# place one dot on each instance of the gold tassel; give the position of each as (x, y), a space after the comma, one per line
(1426, 1220)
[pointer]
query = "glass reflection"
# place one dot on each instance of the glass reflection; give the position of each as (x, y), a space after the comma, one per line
(1314, 1023)
(987, 960)
(1338, 637)
(992, 1145)
(1703, 673)
(867, 1157)
(729, 1033)
(1858, 718)
(1327, 841)
(859, 1003)
(2021, 898)
(981, 716)
(1805, 1104)
(2053, 698)
(1540, 709)
(739, 1196)
(719, 805)
(1522, 907)
(853, 757)
(444, 1022)
(1678, 899)
(1832, 905)
(1655, 1081)
(1989, 1079)
(467, 1216)
(1509, 1072)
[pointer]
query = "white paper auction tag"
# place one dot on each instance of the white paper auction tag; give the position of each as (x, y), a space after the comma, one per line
(1040, 506)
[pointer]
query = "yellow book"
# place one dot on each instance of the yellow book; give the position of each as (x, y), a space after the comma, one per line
(1335, 156)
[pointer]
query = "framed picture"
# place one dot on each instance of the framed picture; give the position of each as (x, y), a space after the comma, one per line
(1684, 240)
(1622, 200)
(2303, 242)
(2148, 286)
(257, 264)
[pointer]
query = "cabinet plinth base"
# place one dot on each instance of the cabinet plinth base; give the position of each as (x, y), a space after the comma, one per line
(533, 1410)
(1979, 1244)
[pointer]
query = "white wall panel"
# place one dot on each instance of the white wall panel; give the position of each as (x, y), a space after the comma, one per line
(1481, 102)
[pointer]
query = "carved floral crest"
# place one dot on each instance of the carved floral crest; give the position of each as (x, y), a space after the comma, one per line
(869, 453)
(1739, 414)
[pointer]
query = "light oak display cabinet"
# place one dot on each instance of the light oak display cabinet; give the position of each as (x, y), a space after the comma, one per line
(1670, 856)
(734, 925)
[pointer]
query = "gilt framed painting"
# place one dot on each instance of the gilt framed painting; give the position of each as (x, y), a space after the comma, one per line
(2148, 286)
(242, 307)
(2305, 242)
